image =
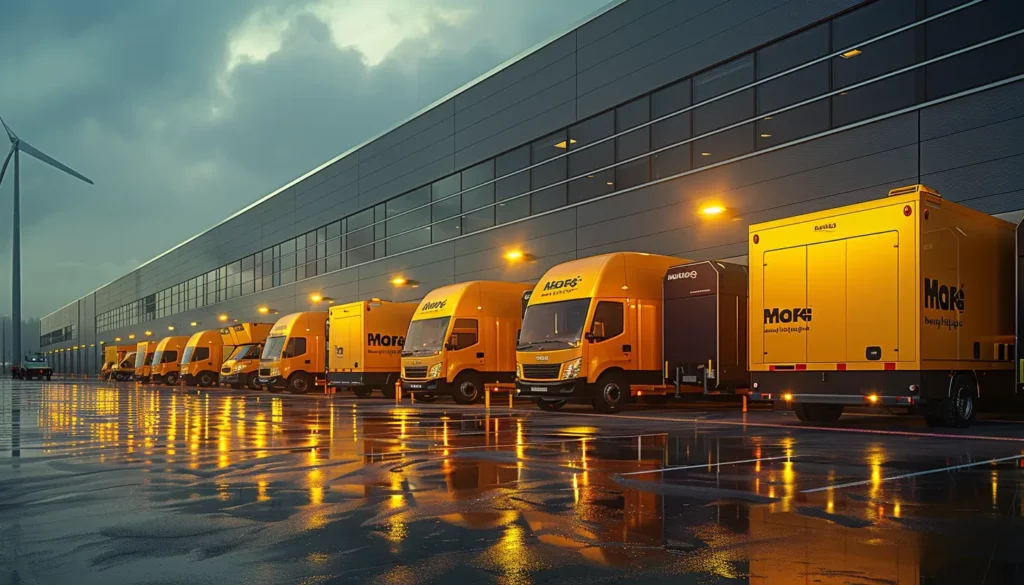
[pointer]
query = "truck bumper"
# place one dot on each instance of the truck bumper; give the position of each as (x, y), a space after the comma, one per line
(228, 379)
(439, 386)
(874, 388)
(576, 390)
(271, 381)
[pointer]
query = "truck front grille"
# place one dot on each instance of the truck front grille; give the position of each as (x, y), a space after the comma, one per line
(265, 372)
(541, 371)
(414, 372)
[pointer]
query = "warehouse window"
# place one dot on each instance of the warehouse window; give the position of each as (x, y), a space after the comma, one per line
(445, 207)
(505, 189)
(549, 173)
(633, 144)
(359, 238)
(792, 88)
(723, 112)
(415, 220)
(584, 164)
(675, 129)
(478, 200)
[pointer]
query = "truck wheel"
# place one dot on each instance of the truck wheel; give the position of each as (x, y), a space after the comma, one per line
(551, 405)
(251, 382)
(818, 413)
(171, 379)
(428, 398)
(47, 377)
(362, 392)
(957, 410)
(205, 379)
(468, 388)
(299, 383)
(611, 393)
(655, 399)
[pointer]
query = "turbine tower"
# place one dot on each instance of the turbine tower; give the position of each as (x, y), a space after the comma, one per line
(17, 147)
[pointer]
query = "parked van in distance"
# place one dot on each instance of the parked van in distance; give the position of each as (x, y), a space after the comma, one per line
(365, 345)
(166, 369)
(144, 351)
(125, 369)
(293, 357)
(241, 365)
(201, 358)
(593, 332)
(462, 339)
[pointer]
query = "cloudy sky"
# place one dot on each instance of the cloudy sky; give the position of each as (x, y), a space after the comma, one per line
(174, 106)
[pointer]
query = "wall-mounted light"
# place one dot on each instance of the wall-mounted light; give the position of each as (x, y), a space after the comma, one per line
(117, 339)
(851, 53)
(148, 333)
(402, 281)
(265, 310)
(513, 256)
(194, 323)
(170, 327)
(319, 298)
(712, 210)
(131, 336)
(222, 318)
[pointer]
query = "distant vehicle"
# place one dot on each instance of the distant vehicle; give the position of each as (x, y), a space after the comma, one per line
(293, 356)
(241, 368)
(144, 360)
(34, 366)
(125, 370)
(113, 355)
(165, 369)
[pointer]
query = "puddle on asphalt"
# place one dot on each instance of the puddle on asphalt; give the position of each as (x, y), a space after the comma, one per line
(109, 483)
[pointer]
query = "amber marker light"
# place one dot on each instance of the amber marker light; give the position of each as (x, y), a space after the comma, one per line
(787, 397)
(873, 398)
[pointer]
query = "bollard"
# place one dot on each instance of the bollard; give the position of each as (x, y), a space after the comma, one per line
(487, 398)
(398, 391)
(510, 399)
(744, 403)
(412, 398)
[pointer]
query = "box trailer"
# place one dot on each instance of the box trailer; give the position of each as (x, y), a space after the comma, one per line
(905, 301)
(365, 340)
(705, 327)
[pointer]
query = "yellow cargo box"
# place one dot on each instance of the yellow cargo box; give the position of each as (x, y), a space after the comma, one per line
(365, 340)
(904, 301)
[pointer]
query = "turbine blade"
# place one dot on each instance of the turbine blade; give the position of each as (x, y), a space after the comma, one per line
(36, 153)
(10, 133)
(7, 160)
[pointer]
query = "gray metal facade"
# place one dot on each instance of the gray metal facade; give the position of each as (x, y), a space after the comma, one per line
(914, 110)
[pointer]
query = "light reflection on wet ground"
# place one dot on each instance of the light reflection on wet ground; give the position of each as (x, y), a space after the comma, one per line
(124, 484)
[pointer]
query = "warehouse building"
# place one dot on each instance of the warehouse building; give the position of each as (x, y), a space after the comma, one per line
(617, 135)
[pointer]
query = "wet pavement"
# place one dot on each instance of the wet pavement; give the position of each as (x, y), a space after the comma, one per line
(113, 484)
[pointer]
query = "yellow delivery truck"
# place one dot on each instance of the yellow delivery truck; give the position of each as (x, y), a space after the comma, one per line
(202, 358)
(125, 369)
(242, 363)
(905, 301)
(365, 340)
(113, 355)
(593, 332)
(294, 355)
(144, 351)
(462, 338)
(166, 369)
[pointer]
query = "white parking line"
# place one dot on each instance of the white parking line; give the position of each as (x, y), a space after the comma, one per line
(704, 465)
(915, 474)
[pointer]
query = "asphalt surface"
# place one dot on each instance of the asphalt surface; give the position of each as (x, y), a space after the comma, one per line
(112, 484)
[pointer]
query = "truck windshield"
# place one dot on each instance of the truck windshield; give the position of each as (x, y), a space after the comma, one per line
(157, 356)
(272, 351)
(426, 336)
(149, 359)
(140, 360)
(35, 359)
(242, 353)
(551, 325)
(186, 356)
(129, 361)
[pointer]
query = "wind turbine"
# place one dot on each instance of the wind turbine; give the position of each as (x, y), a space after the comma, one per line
(17, 147)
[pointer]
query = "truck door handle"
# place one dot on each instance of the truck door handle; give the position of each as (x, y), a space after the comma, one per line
(480, 354)
(627, 348)
(307, 361)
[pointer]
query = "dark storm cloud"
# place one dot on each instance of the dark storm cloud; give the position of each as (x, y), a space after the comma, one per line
(138, 96)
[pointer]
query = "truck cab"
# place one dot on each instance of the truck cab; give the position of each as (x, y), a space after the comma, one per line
(294, 355)
(461, 340)
(34, 365)
(593, 332)
(241, 368)
(202, 357)
(144, 351)
(166, 369)
(125, 369)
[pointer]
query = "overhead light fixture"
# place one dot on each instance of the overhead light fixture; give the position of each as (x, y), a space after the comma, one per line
(402, 281)
(116, 339)
(767, 117)
(705, 154)
(222, 318)
(711, 210)
(148, 333)
(131, 336)
(265, 310)
(563, 144)
(851, 53)
(765, 135)
(513, 256)
(316, 297)
(611, 184)
(170, 327)
(194, 323)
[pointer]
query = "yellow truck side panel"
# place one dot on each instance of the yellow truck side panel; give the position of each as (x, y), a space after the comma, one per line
(826, 284)
(367, 336)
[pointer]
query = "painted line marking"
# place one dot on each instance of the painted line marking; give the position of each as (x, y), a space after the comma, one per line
(914, 474)
(705, 465)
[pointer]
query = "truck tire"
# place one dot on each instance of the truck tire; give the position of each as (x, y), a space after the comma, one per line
(818, 413)
(171, 379)
(611, 393)
(362, 392)
(551, 405)
(468, 388)
(251, 381)
(300, 383)
(206, 379)
(957, 409)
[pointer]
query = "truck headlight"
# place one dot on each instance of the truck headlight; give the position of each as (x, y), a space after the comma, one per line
(240, 368)
(275, 371)
(519, 370)
(435, 371)
(572, 369)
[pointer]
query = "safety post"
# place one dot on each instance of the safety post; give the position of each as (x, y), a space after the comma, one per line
(510, 399)
(398, 391)
(487, 398)
(744, 403)
(412, 398)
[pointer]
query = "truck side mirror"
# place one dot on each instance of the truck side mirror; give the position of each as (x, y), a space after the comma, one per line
(596, 332)
(452, 343)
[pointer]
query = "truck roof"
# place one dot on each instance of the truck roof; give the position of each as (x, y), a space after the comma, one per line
(207, 336)
(245, 333)
(444, 301)
(619, 274)
(171, 340)
(285, 324)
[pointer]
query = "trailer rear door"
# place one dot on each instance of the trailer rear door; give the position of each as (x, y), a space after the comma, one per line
(346, 341)
(785, 304)
(872, 310)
